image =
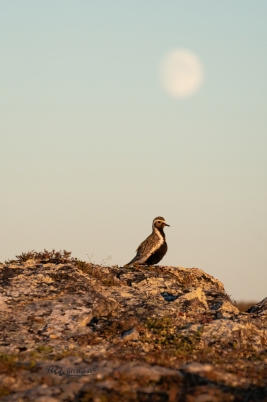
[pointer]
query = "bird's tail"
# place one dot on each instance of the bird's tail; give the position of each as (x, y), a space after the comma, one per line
(136, 259)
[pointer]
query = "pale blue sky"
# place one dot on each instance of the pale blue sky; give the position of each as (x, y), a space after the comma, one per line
(92, 148)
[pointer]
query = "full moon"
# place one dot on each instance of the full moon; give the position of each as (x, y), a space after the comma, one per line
(181, 73)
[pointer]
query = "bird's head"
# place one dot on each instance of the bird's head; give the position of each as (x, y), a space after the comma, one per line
(159, 223)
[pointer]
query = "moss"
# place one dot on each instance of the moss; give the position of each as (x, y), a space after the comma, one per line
(7, 358)
(33, 354)
(44, 349)
(158, 324)
(11, 363)
(7, 363)
(168, 335)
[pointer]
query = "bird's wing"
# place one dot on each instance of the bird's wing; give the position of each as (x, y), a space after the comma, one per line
(143, 251)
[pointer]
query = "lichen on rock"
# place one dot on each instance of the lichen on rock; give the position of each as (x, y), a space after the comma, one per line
(150, 333)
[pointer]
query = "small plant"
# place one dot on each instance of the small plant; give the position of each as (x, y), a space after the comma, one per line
(55, 257)
(106, 260)
(46, 256)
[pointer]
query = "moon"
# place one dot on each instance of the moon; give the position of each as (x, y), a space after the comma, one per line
(182, 73)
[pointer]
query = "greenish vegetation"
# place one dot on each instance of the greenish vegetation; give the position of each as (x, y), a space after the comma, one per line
(44, 349)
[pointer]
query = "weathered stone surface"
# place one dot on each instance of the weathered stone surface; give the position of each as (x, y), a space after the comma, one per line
(225, 309)
(47, 302)
(260, 308)
(195, 300)
(131, 335)
(146, 333)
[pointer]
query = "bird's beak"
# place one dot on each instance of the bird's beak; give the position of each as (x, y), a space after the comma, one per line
(166, 224)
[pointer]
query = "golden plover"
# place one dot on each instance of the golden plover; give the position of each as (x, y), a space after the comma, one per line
(153, 249)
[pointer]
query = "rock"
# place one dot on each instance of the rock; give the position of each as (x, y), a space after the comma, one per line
(131, 335)
(195, 300)
(150, 333)
(259, 308)
(228, 332)
(197, 367)
(156, 373)
(225, 309)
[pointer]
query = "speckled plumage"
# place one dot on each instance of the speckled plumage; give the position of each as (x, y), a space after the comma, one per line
(153, 249)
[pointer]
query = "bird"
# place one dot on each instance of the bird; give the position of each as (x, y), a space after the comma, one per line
(153, 249)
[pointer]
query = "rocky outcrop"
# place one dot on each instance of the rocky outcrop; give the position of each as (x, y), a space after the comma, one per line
(80, 332)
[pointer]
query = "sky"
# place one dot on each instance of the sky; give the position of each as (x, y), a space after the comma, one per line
(93, 147)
